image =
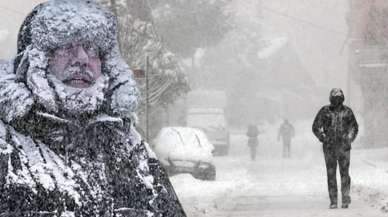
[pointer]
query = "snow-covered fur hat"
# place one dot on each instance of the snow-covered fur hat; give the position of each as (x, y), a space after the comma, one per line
(59, 22)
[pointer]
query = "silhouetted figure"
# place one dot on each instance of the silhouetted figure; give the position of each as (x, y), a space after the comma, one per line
(253, 141)
(336, 127)
(286, 133)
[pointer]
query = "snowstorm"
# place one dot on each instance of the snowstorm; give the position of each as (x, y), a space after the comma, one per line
(182, 108)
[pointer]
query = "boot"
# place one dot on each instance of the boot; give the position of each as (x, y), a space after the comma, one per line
(333, 205)
(345, 202)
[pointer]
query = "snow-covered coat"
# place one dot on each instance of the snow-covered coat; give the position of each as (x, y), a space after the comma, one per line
(335, 125)
(90, 164)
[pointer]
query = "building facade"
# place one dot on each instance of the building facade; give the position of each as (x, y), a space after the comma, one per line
(368, 65)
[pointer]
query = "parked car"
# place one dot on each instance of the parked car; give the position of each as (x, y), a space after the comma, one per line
(185, 150)
(213, 122)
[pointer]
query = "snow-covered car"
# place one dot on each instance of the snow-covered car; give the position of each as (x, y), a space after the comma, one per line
(185, 150)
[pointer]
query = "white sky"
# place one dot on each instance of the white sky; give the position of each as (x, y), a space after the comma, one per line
(315, 28)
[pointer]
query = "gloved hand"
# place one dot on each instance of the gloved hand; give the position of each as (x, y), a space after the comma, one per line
(324, 139)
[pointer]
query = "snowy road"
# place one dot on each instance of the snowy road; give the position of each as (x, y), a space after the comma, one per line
(276, 187)
(290, 206)
(296, 190)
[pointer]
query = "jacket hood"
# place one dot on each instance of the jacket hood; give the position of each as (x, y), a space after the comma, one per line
(336, 97)
(54, 24)
(16, 99)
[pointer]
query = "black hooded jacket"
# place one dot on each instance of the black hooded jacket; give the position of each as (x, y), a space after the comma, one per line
(335, 125)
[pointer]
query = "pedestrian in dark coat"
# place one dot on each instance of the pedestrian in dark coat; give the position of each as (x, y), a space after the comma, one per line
(286, 133)
(253, 141)
(336, 127)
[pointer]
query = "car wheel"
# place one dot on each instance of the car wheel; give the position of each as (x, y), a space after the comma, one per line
(210, 174)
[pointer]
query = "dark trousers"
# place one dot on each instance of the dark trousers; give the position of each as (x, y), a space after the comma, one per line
(286, 149)
(342, 157)
(253, 152)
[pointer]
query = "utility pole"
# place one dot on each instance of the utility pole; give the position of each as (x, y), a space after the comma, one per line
(147, 98)
(113, 6)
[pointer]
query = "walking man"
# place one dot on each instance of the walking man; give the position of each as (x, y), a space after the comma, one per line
(336, 127)
(286, 132)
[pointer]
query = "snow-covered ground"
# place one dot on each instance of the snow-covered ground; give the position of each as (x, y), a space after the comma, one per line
(273, 186)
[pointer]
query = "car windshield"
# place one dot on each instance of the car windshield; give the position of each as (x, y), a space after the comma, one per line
(193, 139)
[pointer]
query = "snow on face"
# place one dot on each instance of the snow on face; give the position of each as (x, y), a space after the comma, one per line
(68, 35)
(76, 100)
(77, 65)
(64, 32)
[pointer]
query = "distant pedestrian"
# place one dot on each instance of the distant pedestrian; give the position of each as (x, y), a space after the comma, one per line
(336, 127)
(286, 133)
(253, 141)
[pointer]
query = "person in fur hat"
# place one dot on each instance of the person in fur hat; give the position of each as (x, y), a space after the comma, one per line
(68, 146)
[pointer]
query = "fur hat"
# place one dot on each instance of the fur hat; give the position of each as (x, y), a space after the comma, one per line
(58, 22)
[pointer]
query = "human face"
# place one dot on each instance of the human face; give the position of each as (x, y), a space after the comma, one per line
(76, 65)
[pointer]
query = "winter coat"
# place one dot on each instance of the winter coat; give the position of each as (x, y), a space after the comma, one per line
(252, 134)
(99, 167)
(286, 132)
(335, 127)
